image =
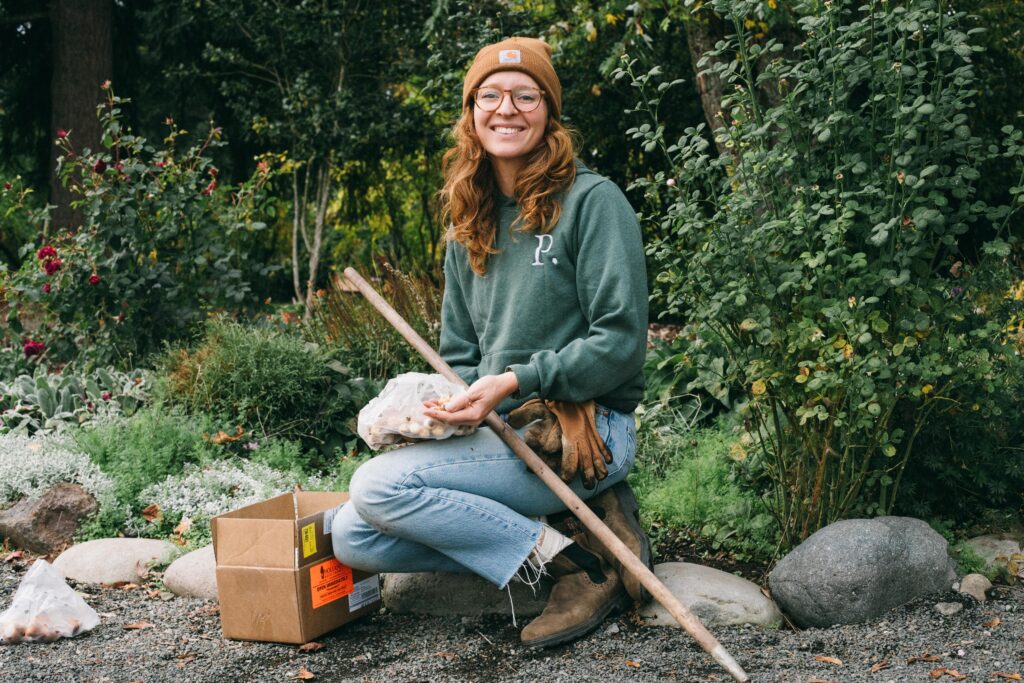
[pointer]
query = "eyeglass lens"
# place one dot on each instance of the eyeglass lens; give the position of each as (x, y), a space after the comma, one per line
(524, 99)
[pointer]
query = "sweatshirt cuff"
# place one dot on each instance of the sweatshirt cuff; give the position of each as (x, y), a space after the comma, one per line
(528, 379)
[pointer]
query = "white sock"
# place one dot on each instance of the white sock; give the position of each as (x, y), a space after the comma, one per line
(549, 544)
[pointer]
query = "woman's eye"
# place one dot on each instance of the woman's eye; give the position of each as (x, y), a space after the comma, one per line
(488, 96)
(526, 97)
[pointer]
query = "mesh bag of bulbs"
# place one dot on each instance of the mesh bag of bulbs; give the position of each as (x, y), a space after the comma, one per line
(45, 608)
(396, 414)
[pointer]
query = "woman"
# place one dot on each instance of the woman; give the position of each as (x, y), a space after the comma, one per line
(545, 297)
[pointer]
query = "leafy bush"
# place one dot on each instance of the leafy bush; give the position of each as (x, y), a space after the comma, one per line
(163, 242)
(271, 383)
(821, 248)
(700, 480)
(42, 403)
(29, 465)
(344, 320)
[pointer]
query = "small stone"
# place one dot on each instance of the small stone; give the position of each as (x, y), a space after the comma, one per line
(975, 585)
(111, 560)
(948, 608)
(611, 630)
(715, 597)
(194, 575)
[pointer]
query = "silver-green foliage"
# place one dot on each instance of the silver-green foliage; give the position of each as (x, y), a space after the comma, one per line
(821, 248)
(31, 465)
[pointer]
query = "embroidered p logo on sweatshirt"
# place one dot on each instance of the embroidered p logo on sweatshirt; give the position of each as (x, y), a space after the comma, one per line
(544, 244)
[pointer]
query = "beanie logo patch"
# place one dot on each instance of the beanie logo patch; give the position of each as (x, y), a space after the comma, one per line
(509, 57)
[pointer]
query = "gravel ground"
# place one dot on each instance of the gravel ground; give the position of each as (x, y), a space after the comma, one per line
(184, 645)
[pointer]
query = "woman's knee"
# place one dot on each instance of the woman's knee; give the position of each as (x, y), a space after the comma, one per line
(374, 489)
(348, 537)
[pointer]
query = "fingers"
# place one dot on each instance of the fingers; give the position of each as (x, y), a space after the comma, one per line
(587, 465)
(530, 411)
(570, 462)
(600, 468)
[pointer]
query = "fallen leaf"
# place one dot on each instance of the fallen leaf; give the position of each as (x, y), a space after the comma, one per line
(153, 594)
(446, 655)
(183, 660)
(222, 437)
(924, 658)
(183, 526)
(884, 664)
(138, 625)
(16, 555)
(635, 665)
(128, 586)
(310, 647)
(829, 660)
(937, 673)
(992, 624)
(1009, 677)
(141, 570)
(956, 675)
(151, 512)
(304, 675)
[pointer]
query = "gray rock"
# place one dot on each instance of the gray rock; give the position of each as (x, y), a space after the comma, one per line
(975, 585)
(48, 523)
(998, 550)
(948, 609)
(194, 575)
(109, 560)
(439, 594)
(717, 598)
(858, 569)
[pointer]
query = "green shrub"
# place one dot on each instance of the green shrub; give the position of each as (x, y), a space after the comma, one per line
(271, 383)
(700, 480)
(163, 242)
(821, 250)
(144, 449)
(346, 322)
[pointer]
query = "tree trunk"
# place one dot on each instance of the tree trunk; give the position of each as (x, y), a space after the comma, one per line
(703, 30)
(82, 60)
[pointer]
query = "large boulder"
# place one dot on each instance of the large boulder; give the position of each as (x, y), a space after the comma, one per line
(194, 574)
(858, 569)
(715, 597)
(48, 523)
(112, 560)
(465, 595)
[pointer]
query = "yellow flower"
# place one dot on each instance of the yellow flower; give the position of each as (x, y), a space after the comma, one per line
(927, 389)
(758, 387)
(772, 4)
(611, 19)
(152, 256)
(749, 23)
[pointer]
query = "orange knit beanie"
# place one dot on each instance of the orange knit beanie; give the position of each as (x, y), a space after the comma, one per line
(528, 55)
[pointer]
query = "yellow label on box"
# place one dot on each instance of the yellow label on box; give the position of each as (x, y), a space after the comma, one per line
(308, 540)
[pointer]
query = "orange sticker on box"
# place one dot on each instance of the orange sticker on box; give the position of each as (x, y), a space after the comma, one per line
(329, 581)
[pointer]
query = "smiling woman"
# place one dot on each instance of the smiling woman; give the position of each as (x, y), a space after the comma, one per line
(545, 316)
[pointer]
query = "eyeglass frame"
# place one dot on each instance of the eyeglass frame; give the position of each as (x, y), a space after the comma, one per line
(506, 91)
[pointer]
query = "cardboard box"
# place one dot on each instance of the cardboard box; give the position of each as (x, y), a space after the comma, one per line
(277, 576)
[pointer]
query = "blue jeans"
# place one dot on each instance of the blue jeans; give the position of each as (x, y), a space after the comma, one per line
(459, 505)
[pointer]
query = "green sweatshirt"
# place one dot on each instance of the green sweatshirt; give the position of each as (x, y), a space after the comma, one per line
(566, 311)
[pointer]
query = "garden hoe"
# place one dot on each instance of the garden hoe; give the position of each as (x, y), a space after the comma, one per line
(590, 520)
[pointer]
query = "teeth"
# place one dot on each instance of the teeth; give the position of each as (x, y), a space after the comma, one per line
(507, 131)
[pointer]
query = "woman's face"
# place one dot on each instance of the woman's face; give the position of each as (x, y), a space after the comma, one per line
(507, 133)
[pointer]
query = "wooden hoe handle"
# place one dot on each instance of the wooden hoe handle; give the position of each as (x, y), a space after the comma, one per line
(590, 520)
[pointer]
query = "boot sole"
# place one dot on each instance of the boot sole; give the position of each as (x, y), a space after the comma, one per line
(618, 604)
(627, 499)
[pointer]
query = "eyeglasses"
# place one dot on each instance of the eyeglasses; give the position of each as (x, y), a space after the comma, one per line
(523, 99)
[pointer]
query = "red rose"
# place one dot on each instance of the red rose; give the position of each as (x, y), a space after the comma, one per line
(105, 395)
(100, 166)
(119, 166)
(32, 348)
(210, 188)
(61, 133)
(46, 253)
(52, 266)
(94, 279)
(46, 287)
(7, 186)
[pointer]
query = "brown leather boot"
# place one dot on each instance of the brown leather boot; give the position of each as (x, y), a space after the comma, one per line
(618, 509)
(586, 591)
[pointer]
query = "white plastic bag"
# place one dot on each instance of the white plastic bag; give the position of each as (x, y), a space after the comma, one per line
(396, 414)
(45, 609)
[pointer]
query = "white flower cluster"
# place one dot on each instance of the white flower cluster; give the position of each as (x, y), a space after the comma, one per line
(203, 492)
(30, 465)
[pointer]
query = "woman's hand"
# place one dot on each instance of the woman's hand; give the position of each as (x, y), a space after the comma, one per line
(473, 405)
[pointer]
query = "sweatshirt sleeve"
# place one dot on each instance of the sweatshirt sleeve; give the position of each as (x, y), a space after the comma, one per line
(460, 347)
(611, 285)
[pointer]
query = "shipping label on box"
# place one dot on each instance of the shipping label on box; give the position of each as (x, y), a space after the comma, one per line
(277, 576)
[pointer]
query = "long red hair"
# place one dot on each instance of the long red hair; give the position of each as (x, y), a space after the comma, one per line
(468, 199)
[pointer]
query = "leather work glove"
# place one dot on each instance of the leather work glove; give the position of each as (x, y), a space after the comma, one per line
(567, 430)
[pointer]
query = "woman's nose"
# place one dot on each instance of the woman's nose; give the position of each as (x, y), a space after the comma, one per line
(507, 106)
